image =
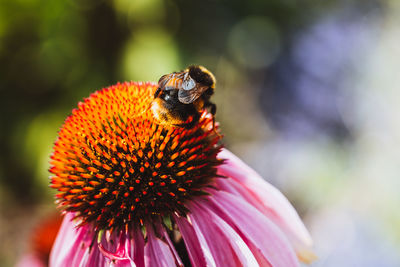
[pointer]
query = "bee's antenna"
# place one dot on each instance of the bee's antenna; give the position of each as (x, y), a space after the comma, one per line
(158, 92)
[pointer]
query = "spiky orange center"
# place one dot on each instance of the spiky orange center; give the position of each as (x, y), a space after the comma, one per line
(115, 165)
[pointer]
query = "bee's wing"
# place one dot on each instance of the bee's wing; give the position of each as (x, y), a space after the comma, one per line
(189, 96)
(163, 80)
(188, 83)
(171, 81)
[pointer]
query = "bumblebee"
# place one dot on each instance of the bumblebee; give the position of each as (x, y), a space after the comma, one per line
(182, 96)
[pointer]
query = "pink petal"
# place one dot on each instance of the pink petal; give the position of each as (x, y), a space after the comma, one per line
(121, 256)
(192, 244)
(30, 260)
(157, 252)
(164, 233)
(249, 185)
(70, 245)
(203, 243)
(232, 238)
(124, 263)
(210, 237)
(114, 256)
(135, 248)
(94, 258)
(256, 228)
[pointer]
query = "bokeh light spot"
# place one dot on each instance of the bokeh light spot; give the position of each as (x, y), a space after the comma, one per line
(254, 42)
(150, 54)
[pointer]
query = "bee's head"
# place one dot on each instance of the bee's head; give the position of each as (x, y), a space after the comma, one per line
(202, 75)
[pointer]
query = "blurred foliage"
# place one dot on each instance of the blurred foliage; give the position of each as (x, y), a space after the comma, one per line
(55, 53)
(287, 73)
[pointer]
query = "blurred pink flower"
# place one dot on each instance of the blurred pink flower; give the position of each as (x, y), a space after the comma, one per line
(194, 202)
(41, 242)
(30, 260)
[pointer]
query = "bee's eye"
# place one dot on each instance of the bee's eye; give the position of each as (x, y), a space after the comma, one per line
(165, 96)
(168, 94)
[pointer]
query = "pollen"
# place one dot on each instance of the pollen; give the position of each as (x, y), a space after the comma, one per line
(115, 166)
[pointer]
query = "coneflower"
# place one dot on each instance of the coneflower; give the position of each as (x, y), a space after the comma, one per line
(139, 193)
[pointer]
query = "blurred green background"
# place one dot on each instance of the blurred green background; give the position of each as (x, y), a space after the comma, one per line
(307, 95)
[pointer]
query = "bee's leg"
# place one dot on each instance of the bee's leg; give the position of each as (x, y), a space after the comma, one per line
(191, 122)
(213, 110)
(195, 120)
(211, 106)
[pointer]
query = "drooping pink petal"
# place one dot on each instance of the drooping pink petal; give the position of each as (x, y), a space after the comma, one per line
(65, 236)
(192, 244)
(211, 238)
(71, 244)
(94, 258)
(135, 248)
(124, 263)
(262, 261)
(256, 228)
(114, 256)
(121, 256)
(249, 185)
(164, 234)
(157, 252)
(243, 253)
